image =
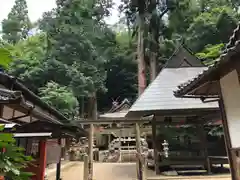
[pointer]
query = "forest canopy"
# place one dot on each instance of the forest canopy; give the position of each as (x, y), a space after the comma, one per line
(74, 52)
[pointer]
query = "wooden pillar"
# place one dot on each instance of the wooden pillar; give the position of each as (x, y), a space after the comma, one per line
(92, 114)
(120, 147)
(204, 147)
(85, 167)
(139, 152)
(90, 152)
(58, 170)
(42, 159)
(154, 145)
(227, 139)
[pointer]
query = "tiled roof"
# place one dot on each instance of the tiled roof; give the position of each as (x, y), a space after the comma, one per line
(13, 83)
(232, 48)
(8, 95)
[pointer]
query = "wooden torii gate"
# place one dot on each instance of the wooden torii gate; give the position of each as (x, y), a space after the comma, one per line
(101, 120)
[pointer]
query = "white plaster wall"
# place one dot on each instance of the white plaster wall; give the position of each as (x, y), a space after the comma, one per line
(231, 96)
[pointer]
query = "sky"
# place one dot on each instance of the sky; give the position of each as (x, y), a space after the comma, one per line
(37, 7)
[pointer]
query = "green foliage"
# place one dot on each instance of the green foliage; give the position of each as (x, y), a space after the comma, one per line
(29, 60)
(212, 27)
(77, 53)
(17, 25)
(210, 53)
(182, 16)
(5, 58)
(74, 38)
(60, 97)
(12, 159)
(74, 51)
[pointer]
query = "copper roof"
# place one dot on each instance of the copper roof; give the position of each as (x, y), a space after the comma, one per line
(232, 48)
(158, 96)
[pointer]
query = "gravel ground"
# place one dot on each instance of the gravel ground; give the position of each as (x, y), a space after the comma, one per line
(119, 171)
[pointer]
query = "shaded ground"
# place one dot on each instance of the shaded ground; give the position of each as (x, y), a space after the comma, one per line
(121, 171)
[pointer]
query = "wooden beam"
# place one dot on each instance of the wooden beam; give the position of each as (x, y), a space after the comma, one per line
(203, 142)
(227, 139)
(92, 115)
(154, 143)
(58, 171)
(110, 121)
(85, 167)
(43, 159)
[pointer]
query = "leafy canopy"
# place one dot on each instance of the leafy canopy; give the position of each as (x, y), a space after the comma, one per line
(60, 97)
(17, 25)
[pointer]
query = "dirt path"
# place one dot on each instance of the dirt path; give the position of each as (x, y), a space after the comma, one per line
(102, 171)
(119, 171)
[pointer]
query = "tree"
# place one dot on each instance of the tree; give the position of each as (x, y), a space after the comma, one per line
(60, 97)
(182, 16)
(210, 53)
(79, 46)
(4, 58)
(121, 73)
(211, 27)
(29, 61)
(12, 159)
(17, 25)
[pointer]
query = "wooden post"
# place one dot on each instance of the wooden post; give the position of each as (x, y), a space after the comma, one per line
(92, 114)
(140, 163)
(227, 139)
(155, 150)
(90, 152)
(120, 148)
(42, 163)
(58, 171)
(204, 147)
(85, 167)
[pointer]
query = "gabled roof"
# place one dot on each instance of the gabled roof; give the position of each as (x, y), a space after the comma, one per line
(158, 97)
(118, 112)
(14, 84)
(215, 71)
(183, 57)
(125, 105)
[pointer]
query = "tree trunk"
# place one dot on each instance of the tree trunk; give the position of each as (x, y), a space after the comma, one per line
(153, 68)
(141, 88)
(140, 57)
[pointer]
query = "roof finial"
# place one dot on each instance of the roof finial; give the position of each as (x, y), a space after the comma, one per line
(115, 102)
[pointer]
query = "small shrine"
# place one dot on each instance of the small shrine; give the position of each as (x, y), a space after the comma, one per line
(220, 83)
(172, 116)
(39, 128)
